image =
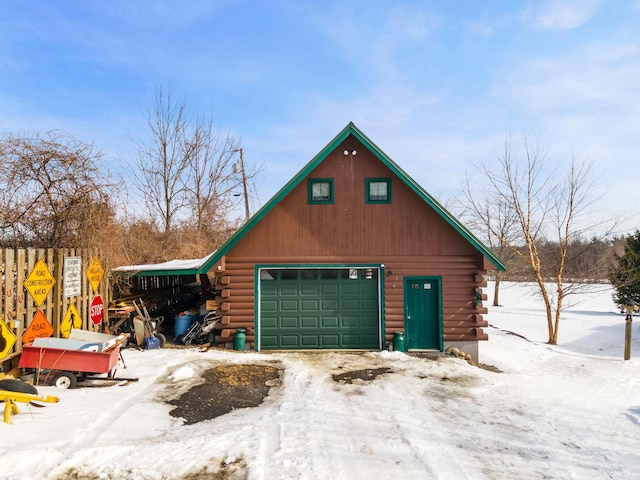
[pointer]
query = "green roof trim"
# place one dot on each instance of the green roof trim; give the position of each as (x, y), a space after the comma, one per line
(350, 129)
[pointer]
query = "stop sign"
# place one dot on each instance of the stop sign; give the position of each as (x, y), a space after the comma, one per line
(96, 310)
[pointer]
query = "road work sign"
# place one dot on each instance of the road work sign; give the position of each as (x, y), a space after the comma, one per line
(71, 320)
(95, 273)
(39, 282)
(7, 339)
(38, 328)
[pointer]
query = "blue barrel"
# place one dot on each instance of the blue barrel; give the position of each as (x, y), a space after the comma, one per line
(183, 322)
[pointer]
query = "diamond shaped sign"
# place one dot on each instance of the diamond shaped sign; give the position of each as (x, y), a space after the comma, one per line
(7, 339)
(38, 328)
(71, 320)
(39, 282)
(95, 273)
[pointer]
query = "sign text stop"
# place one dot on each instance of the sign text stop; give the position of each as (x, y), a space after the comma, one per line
(96, 310)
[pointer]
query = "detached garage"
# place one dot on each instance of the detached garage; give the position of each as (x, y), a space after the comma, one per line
(348, 252)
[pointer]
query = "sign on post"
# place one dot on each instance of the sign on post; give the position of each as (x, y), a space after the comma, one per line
(72, 276)
(39, 282)
(96, 310)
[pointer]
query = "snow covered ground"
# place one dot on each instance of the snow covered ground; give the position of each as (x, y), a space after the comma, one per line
(565, 412)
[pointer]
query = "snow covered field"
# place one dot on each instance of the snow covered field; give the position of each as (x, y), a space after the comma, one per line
(565, 412)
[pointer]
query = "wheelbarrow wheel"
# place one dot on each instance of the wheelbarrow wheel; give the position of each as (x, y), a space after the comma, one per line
(65, 380)
(162, 339)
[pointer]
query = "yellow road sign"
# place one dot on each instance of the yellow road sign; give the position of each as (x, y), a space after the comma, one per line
(39, 282)
(7, 339)
(71, 320)
(95, 273)
(38, 328)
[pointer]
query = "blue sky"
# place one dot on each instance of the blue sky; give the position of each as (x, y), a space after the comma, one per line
(435, 84)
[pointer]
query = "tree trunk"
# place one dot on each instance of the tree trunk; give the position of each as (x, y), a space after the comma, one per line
(552, 332)
(496, 290)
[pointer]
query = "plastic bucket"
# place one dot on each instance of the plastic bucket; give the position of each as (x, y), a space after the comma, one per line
(183, 322)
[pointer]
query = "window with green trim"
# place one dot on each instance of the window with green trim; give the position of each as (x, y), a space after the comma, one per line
(320, 190)
(378, 190)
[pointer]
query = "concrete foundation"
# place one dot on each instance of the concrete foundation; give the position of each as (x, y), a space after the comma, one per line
(467, 347)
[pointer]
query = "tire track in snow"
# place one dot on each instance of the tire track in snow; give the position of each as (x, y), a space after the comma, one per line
(98, 426)
(278, 438)
(348, 430)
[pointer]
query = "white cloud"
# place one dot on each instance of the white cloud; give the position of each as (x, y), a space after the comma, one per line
(374, 39)
(598, 78)
(562, 14)
(585, 100)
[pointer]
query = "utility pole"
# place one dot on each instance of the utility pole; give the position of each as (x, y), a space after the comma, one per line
(244, 182)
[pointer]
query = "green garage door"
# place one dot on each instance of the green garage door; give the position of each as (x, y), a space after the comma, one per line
(302, 309)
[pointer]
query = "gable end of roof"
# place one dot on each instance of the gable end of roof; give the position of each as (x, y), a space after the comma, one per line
(351, 129)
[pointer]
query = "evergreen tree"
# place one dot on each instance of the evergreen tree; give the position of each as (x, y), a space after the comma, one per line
(625, 272)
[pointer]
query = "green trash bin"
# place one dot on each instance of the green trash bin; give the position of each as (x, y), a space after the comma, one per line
(239, 340)
(398, 341)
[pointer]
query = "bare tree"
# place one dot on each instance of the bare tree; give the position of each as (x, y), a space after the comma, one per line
(54, 192)
(211, 178)
(549, 206)
(497, 222)
(185, 170)
(163, 160)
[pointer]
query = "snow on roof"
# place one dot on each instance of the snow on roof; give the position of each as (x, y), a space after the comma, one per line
(183, 267)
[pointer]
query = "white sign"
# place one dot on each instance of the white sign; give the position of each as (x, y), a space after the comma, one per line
(72, 276)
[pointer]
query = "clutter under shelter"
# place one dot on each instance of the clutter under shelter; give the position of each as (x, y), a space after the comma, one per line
(176, 300)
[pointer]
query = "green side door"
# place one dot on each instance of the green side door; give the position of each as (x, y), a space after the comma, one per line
(423, 317)
(303, 309)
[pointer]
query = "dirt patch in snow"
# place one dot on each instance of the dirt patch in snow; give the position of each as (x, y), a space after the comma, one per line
(226, 388)
(359, 376)
(213, 469)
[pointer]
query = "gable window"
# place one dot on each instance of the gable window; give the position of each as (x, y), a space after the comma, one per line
(320, 190)
(378, 190)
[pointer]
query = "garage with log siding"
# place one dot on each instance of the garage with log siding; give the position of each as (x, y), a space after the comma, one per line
(349, 252)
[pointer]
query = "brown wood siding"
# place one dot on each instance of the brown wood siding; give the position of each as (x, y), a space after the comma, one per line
(350, 226)
(407, 236)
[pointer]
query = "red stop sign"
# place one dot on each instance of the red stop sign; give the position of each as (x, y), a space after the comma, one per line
(96, 310)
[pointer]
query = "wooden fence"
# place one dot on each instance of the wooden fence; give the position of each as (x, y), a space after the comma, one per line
(18, 307)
